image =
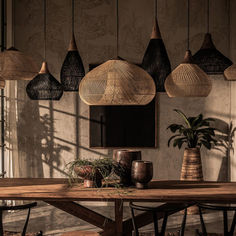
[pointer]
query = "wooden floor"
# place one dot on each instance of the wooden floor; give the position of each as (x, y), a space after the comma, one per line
(55, 222)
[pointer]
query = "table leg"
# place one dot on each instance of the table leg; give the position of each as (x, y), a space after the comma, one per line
(119, 217)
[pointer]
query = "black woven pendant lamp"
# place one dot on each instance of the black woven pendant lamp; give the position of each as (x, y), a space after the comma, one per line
(208, 57)
(72, 70)
(44, 86)
(155, 60)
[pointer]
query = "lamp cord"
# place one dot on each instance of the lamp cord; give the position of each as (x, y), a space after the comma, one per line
(155, 8)
(72, 15)
(208, 16)
(13, 23)
(45, 13)
(188, 26)
(117, 28)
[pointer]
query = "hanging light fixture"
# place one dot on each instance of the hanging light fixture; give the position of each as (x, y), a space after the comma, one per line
(117, 82)
(187, 79)
(72, 70)
(230, 72)
(16, 65)
(44, 86)
(155, 60)
(208, 57)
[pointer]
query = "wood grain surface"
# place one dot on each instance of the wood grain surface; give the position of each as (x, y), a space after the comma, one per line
(162, 191)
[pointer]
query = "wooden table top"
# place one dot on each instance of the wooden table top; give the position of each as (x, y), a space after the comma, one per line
(162, 191)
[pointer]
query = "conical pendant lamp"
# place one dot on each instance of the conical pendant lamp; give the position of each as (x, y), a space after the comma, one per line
(117, 82)
(44, 86)
(188, 79)
(72, 70)
(155, 60)
(230, 72)
(208, 57)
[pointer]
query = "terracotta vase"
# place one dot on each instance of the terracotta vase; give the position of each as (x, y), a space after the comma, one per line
(142, 173)
(124, 159)
(192, 170)
(92, 177)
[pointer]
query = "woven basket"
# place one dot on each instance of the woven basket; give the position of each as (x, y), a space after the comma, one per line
(188, 80)
(117, 82)
(209, 59)
(72, 70)
(15, 65)
(155, 60)
(230, 73)
(44, 86)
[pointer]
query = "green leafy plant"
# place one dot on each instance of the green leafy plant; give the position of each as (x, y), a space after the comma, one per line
(92, 169)
(195, 132)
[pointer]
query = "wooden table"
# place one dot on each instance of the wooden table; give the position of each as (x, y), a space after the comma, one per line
(175, 194)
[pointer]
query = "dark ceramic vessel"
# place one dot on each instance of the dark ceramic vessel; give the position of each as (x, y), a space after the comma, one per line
(124, 159)
(142, 173)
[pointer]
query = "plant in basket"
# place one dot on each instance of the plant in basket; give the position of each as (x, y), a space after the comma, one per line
(91, 171)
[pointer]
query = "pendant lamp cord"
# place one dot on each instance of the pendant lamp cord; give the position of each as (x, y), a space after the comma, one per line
(117, 28)
(155, 8)
(45, 13)
(13, 23)
(188, 26)
(208, 16)
(73, 15)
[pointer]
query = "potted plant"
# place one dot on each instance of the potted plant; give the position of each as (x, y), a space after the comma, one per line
(195, 132)
(91, 171)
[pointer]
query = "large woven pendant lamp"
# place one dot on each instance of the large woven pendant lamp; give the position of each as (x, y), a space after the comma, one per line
(187, 79)
(230, 72)
(155, 60)
(72, 70)
(117, 82)
(16, 65)
(44, 86)
(208, 57)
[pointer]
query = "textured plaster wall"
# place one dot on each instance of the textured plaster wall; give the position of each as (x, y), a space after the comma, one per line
(54, 133)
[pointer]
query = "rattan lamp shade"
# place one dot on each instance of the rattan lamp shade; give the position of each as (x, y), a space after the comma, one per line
(230, 72)
(155, 60)
(72, 70)
(117, 82)
(15, 65)
(44, 86)
(209, 59)
(188, 80)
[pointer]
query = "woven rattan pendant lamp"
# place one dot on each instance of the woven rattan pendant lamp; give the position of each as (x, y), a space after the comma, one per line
(72, 70)
(208, 57)
(44, 86)
(117, 82)
(188, 79)
(230, 72)
(155, 60)
(16, 65)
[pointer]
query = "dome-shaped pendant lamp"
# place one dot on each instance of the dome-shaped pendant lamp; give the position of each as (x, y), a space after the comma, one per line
(187, 79)
(117, 82)
(155, 60)
(15, 65)
(208, 57)
(44, 86)
(230, 72)
(72, 70)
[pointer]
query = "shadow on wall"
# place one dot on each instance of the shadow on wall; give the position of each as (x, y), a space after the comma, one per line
(36, 142)
(225, 137)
